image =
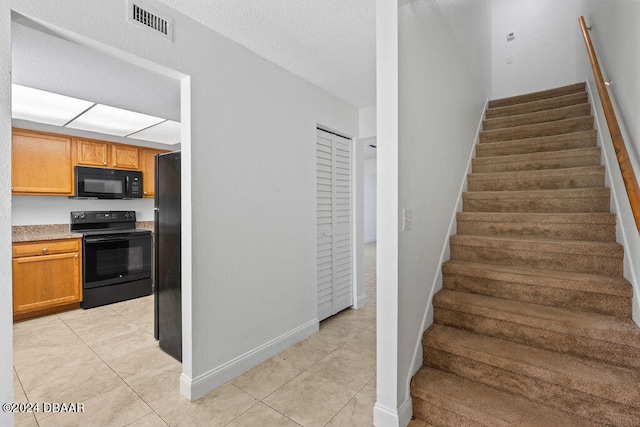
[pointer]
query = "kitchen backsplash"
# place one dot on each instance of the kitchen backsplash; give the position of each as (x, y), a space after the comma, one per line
(34, 210)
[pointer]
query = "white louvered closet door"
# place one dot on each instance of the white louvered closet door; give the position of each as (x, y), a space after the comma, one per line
(333, 195)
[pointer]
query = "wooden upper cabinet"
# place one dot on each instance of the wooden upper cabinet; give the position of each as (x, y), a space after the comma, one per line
(125, 157)
(92, 153)
(102, 154)
(41, 163)
(148, 167)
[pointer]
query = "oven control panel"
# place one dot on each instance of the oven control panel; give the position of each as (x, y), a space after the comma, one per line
(102, 217)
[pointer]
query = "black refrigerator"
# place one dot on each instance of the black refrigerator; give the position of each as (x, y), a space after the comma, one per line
(168, 309)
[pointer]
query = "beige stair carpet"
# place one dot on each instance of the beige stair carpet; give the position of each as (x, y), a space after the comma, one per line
(533, 324)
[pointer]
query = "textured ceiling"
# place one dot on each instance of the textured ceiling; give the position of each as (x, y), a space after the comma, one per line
(330, 43)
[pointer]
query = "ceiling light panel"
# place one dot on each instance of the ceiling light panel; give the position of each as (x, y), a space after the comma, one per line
(113, 121)
(44, 107)
(167, 132)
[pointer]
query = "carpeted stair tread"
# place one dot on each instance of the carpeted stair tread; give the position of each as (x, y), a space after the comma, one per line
(581, 386)
(594, 293)
(552, 179)
(567, 141)
(593, 283)
(585, 200)
(539, 95)
(579, 110)
(560, 226)
(545, 160)
(537, 130)
(570, 255)
(606, 338)
(478, 404)
(531, 107)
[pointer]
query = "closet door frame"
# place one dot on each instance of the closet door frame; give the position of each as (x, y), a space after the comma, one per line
(339, 227)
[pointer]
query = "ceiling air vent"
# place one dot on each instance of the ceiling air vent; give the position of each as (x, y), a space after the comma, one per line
(143, 16)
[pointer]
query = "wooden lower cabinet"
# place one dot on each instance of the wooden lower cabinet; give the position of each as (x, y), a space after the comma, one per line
(47, 277)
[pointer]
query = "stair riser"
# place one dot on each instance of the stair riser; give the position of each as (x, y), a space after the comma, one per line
(555, 144)
(589, 159)
(537, 96)
(516, 205)
(537, 117)
(475, 183)
(559, 342)
(437, 416)
(559, 261)
(536, 131)
(588, 405)
(559, 231)
(609, 305)
(560, 102)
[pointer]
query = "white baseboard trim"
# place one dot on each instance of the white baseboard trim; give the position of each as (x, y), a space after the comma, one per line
(361, 301)
(387, 417)
(194, 388)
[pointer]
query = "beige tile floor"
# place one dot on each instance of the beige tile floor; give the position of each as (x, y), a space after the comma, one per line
(107, 359)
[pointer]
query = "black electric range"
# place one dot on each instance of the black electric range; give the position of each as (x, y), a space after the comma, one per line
(116, 257)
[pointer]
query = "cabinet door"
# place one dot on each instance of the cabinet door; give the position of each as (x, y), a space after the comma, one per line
(125, 157)
(46, 281)
(92, 153)
(148, 160)
(41, 164)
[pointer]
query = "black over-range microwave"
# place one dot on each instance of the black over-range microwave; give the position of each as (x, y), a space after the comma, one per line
(99, 183)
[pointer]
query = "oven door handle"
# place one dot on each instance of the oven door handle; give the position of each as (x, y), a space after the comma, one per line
(106, 239)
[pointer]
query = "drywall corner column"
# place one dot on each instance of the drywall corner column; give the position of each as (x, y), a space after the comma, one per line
(6, 309)
(386, 408)
(186, 239)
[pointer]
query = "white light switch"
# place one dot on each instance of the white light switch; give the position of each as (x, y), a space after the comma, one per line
(407, 219)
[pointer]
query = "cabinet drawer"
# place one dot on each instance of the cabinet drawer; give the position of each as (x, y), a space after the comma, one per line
(45, 247)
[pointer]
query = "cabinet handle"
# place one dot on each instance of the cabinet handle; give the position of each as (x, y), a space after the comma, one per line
(145, 192)
(104, 163)
(44, 250)
(115, 164)
(75, 256)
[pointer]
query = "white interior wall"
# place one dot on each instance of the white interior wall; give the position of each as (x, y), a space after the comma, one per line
(616, 37)
(245, 117)
(543, 51)
(370, 176)
(6, 300)
(444, 83)
(367, 122)
(434, 77)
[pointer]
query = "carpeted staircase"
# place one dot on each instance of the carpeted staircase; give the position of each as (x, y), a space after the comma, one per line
(533, 324)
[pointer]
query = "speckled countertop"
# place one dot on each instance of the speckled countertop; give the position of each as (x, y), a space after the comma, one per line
(29, 233)
(32, 233)
(145, 225)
